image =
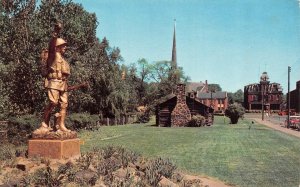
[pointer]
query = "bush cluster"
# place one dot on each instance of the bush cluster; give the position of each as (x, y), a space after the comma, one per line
(77, 121)
(20, 127)
(197, 121)
(158, 168)
(143, 117)
(234, 112)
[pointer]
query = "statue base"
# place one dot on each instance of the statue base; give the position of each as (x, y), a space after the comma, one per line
(53, 135)
(55, 149)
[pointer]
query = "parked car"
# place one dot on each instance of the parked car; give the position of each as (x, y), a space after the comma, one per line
(285, 112)
(294, 122)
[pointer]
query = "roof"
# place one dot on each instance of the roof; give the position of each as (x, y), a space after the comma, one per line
(166, 98)
(209, 95)
(171, 96)
(194, 86)
(270, 87)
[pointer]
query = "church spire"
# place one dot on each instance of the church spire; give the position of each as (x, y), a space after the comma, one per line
(174, 55)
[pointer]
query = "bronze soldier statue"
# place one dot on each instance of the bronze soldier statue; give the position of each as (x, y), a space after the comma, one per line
(56, 76)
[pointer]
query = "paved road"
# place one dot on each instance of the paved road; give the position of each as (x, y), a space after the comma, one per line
(276, 122)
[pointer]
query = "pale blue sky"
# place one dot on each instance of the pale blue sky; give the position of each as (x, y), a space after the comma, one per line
(229, 42)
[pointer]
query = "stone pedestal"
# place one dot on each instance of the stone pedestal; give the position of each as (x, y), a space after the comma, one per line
(55, 149)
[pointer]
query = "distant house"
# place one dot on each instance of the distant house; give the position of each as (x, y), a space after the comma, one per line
(167, 105)
(217, 100)
(263, 94)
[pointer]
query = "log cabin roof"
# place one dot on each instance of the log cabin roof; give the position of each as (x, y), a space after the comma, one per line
(171, 96)
(166, 98)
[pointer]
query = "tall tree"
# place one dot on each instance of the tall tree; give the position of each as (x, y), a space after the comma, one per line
(17, 52)
(162, 85)
(26, 31)
(140, 74)
(239, 96)
(214, 87)
(236, 97)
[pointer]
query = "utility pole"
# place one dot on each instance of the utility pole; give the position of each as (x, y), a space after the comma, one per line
(289, 98)
(264, 81)
(262, 102)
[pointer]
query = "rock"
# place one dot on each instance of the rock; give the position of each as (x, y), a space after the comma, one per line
(24, 165)
(140, 174)
(190, 181)
(131, 171)
(5, 185)
(123, 173)
(72, 184)
(131, 165)
(120, 173)
(10, 183)
(164, 182)
(177, 177)
(141, 166)
(100, 183)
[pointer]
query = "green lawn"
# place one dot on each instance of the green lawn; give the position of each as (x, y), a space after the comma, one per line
(232, 153)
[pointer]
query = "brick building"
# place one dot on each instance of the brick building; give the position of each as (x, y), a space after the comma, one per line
(262, 94)
(295, 98)
(217, 100)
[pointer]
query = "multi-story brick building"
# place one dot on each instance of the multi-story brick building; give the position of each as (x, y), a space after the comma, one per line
(217, 100)
(263, 94)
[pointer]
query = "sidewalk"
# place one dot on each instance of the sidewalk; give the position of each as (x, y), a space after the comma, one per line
(276, 126)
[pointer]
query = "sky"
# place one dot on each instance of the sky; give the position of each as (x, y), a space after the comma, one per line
(226, 42)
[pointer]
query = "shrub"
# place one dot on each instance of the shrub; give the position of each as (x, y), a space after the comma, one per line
(47, 177)
(3, 117)
(112, 158)
(20, 128)
(143, 117)
(84, 161)
(157, 168)
(68, 170)
(234, 112)
(77, 121)
(196, 121)
(7, 152)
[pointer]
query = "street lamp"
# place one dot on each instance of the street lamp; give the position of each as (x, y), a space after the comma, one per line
(262, 101)
(289, 98)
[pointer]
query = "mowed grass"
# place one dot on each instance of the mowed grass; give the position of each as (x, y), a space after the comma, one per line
(232, 153)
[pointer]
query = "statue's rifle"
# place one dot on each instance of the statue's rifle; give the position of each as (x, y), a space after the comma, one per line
(78, 86)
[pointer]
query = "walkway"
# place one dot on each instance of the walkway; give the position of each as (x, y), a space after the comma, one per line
(275, 125)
